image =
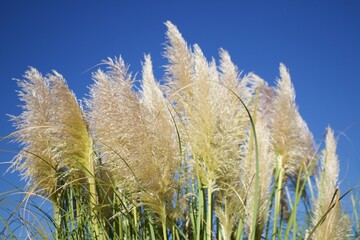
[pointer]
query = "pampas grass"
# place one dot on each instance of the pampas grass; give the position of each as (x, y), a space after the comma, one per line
(207, 155)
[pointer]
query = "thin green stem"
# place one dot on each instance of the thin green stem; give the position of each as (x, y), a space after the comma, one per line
(240, 229)
(280, 175)
(135, 222)
(163, 222)
(200, 210)
(209, 213)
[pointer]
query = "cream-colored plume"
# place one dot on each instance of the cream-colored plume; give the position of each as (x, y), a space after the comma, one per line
(161, 151)
(115, 120)
(53, 132)
(35, 161)
(135, 134)
(292, 140)
(180, 68)
(335, 225)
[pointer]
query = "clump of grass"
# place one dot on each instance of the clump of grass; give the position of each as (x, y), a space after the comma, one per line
(207, 155)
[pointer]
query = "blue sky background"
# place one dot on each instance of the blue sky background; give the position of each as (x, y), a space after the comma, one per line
(319, 41)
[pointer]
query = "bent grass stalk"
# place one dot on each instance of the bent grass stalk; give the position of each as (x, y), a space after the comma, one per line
(253, 131)
(354, 200)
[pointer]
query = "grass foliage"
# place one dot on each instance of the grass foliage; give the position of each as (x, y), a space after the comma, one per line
(207, 154)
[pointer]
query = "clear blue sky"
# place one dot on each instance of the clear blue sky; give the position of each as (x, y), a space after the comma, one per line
(319, 41)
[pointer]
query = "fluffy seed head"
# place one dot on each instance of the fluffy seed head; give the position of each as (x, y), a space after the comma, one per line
(292, 139)
(336, 225)
(52, 130)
